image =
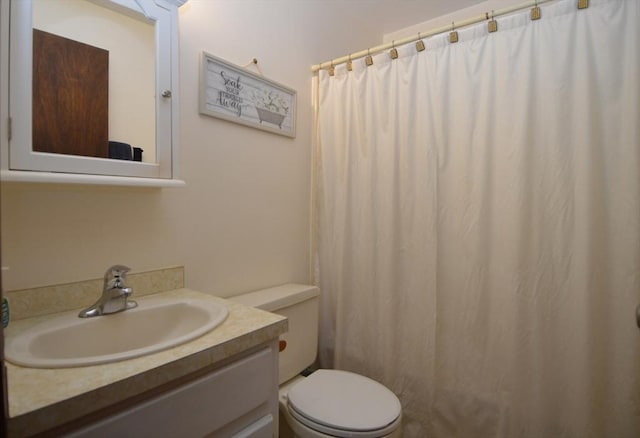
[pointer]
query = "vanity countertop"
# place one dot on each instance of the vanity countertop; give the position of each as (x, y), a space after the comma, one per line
(40, 399)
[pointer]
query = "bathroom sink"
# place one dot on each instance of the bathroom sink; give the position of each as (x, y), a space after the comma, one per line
(156, 324)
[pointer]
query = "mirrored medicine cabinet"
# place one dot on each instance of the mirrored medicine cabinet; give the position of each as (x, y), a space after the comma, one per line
(89, 91)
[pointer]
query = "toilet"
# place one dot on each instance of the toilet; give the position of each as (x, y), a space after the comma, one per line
(325, 403)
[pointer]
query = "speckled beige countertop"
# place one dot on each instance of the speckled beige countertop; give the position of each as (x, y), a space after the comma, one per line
(40, 399)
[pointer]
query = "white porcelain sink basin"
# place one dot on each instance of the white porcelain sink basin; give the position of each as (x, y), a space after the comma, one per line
(156, 324)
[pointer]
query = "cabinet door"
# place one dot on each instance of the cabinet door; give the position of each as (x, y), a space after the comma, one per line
(201, 407)
(263, 428)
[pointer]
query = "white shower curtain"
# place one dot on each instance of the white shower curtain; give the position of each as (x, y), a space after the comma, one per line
(478, 225)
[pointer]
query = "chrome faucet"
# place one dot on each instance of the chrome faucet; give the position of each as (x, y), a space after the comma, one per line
(115, 294)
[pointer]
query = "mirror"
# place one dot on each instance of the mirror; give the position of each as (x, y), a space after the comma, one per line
(93, 81)
(139, 39)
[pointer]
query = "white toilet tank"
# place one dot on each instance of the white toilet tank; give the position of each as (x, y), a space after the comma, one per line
(300, 304)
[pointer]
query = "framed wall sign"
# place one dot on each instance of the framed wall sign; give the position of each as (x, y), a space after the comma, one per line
(233, 93)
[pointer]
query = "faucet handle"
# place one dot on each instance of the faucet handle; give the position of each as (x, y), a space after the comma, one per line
(115, 276)
(116, 271)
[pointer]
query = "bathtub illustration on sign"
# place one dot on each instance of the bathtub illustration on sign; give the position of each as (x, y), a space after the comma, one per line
(271, 106)
(270, 117)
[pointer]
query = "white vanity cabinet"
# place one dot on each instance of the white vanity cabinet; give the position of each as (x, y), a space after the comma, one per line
(237, 400)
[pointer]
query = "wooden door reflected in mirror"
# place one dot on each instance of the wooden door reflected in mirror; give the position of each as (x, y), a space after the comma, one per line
(70, 96)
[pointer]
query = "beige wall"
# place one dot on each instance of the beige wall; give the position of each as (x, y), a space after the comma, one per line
(445, 20)
(242, 222)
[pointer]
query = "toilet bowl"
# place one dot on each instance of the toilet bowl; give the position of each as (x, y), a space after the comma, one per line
(332, 403)
(326, 403)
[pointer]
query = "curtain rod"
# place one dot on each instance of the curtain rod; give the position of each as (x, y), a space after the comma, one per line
(421, 35)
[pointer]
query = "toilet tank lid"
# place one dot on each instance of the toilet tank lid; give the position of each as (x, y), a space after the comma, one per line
(279, 297)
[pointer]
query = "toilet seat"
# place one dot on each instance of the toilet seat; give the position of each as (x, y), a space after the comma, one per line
(344, 404)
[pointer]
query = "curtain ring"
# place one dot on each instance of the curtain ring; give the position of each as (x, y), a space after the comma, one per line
(493, 24)
(453, 35)
(332, 70)
(536, 13)
(368, 60)
(349, 64)
(393, 52)
(419, 43)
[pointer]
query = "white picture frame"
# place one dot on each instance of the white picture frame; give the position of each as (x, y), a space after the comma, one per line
(233, 93)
